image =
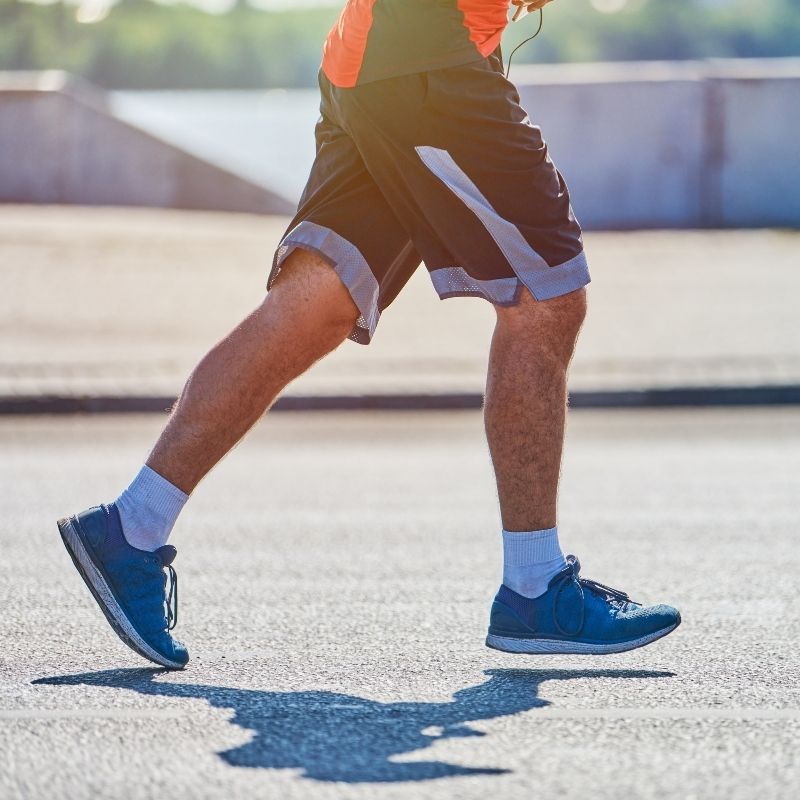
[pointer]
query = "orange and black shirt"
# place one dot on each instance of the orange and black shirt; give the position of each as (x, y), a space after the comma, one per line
(377, 39)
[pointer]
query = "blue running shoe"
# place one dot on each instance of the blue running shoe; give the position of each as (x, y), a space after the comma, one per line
(575, 615)
(130, 585)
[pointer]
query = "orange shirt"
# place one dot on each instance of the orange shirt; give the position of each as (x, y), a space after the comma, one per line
(377, 39)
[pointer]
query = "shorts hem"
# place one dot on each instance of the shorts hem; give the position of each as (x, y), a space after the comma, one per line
(543, 285)
(557, 281)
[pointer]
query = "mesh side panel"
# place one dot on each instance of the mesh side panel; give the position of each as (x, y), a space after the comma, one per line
(360, 333)
(456, 281)
(461, 281)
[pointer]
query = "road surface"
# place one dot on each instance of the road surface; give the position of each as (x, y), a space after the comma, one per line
(335, 578)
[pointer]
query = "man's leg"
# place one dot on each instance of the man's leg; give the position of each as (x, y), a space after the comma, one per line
(525, 414)
(543, 606)
(120, 549)
(306, 315)
(525, 411)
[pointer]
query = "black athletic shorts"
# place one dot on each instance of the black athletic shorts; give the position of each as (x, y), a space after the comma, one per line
(443, 167)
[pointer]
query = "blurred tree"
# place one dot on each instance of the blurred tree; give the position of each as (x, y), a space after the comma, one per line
(141, 44)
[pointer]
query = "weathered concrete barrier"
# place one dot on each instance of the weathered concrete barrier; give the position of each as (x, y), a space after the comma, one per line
(673, 144)
(642, 145)
(59, 143)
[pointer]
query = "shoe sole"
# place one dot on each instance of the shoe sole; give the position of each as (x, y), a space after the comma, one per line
(562, 647)
(105, 598)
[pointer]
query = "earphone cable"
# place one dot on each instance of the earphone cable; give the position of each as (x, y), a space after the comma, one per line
(525, 41)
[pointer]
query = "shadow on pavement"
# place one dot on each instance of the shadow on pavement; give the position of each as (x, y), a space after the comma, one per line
(340, 737)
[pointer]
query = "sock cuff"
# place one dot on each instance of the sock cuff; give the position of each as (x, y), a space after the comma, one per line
(157, 493)
(530, 547)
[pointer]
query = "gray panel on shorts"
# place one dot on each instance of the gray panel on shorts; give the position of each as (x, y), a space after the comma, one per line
(543, 281)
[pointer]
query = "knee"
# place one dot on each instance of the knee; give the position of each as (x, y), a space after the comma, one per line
(334, 320)
(308, 290)
(546, 325)
(570, 312)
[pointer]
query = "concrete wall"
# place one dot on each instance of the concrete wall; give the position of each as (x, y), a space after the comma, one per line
(684, 144)
(642, 145)
(60, 144)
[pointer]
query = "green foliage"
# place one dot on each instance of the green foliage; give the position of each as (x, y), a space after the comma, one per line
(144, 45)
(141, 44)
(665, 29)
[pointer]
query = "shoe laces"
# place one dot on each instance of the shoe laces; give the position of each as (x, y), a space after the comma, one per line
(165, 556)
(570, 577)
(172, 598)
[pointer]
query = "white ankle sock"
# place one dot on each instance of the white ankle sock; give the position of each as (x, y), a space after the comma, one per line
(530, 560)
(148, 509)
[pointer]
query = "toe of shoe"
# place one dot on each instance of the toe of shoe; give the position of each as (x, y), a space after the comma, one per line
(174, 653)
(179, 654)
(662, 616)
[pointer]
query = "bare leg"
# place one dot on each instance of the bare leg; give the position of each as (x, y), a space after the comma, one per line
(525, 410)
(307, 314)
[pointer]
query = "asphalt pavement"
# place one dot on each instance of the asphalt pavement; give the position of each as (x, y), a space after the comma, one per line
(336, 572)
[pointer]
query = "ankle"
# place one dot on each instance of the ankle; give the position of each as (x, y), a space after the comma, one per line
(148, 509)
(531, 559)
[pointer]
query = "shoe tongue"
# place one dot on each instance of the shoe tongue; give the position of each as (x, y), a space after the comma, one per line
(573, 563)
(166, 554)
(572, 567)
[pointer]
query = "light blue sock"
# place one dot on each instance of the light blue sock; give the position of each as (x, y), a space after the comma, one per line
(148, 509)
(530, 560)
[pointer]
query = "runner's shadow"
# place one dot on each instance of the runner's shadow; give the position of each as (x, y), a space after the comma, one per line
(341, 737)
